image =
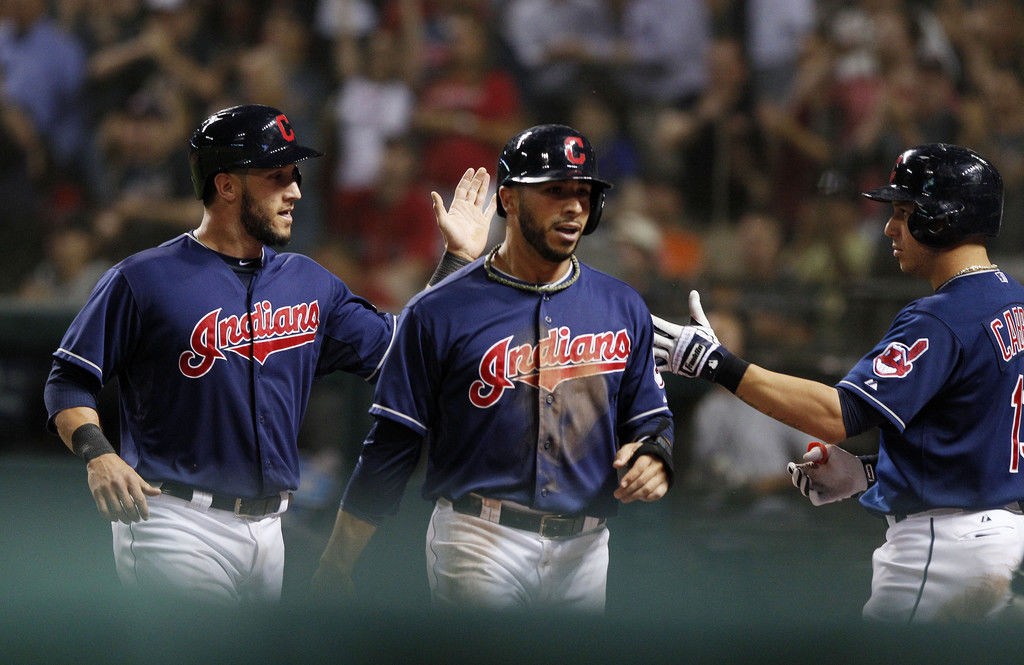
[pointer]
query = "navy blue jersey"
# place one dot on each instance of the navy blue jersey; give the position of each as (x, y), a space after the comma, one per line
(948, 378)
(521, 395)
(214, 377)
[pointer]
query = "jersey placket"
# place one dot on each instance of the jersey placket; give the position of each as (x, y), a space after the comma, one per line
(259, 418)
(548, 414)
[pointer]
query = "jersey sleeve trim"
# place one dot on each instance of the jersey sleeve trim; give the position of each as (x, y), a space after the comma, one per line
(62, 352)
(886, 411)
(391, 414)
(663, 409)
(387, 351)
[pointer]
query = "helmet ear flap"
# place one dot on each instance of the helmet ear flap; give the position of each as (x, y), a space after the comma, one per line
(596, 208)
(936, 224)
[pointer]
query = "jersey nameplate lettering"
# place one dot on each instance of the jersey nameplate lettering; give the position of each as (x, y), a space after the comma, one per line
(1008, 331)
(556, 359)
(272, 330)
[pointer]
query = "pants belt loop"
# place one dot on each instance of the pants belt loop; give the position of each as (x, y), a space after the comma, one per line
(490, 510)
(590, 523)
(201, 501)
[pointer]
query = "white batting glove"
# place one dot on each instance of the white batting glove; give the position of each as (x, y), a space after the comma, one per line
(831, 474)
(685, 349)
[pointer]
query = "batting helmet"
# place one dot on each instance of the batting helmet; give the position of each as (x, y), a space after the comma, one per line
(955, 191)
(552, 152)
(249, 136)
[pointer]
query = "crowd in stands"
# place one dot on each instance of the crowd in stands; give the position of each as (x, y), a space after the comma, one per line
(738, 134)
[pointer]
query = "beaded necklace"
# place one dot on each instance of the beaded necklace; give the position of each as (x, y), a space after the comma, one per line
(532, 288)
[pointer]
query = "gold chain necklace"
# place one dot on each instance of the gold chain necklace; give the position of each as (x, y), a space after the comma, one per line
(532, 288)
(968, 269)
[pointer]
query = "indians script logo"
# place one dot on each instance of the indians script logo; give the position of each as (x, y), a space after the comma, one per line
(272, 330)
(556, 359)
(897, 360)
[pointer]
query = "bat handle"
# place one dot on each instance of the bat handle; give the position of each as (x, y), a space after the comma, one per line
(816, 452)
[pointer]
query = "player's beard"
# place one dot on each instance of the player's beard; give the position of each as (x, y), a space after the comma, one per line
(259, 224)
(535, 234)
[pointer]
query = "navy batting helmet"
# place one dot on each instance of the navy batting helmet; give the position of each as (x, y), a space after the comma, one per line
(955, 191)
(249, 136)
(552, 152)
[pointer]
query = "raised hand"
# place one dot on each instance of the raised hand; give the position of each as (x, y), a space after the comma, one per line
(466, 223)
(685, 350)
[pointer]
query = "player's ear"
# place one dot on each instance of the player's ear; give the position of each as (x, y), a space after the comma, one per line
(509, 199)
(227, 185)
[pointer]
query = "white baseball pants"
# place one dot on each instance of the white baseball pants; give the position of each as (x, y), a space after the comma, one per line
(474, 562)
(209, 557)
(944, 565)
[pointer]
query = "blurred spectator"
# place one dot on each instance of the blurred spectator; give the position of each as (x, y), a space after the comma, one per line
(373, 104)
(994, 126)
(659, 55)
(629, 246)
(468, 111)
(917, 102)
(100, 25)
(680, 251)
(69, 270)
(800, 133)
(738, 455)
(833, 244)
(748, 274)
(172, 43)
(42, 70)
(716, 142)
(550, 42)
(349, 18)
(774, 40)
(149, 196)
(390, 228)
(44, 138)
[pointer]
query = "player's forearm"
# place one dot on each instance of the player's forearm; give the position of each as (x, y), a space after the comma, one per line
(69, 420)
(347, 542)
(808, 406)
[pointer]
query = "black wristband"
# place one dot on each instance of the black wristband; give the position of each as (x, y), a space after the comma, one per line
(656, 446)
(89, 443)
(448, 264)
(725, 369)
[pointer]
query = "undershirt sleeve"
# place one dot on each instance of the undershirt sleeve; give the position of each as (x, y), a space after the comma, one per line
(858, 417)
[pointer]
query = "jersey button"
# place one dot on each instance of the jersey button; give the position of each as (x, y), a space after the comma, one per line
(547, 319)
(544, 492)
(549, 399)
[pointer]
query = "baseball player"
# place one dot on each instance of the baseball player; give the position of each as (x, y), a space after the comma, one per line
(531, 375)
(215, 339)
(945, 386)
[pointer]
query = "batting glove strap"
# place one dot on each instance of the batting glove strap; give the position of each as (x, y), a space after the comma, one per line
(88, 442)
(869, 462)
(656, 446)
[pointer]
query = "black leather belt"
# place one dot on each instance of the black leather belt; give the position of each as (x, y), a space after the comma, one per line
(239, 506)
(543, 524)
